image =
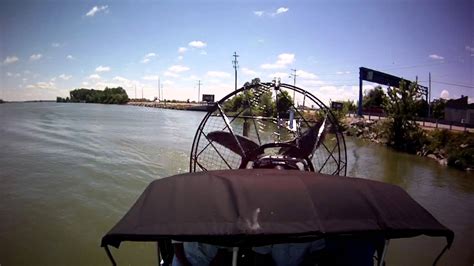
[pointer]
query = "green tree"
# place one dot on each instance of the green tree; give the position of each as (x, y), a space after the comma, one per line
(421, 108)
(267, 104)
(375, 97)
(401, 131)
(283, 103)
(437, 108)
(109, 96)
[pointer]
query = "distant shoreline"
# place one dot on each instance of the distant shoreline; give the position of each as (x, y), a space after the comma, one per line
(32, 101)
(174, 106)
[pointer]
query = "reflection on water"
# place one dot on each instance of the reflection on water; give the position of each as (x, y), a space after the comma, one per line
(447, 193)
(70, 171)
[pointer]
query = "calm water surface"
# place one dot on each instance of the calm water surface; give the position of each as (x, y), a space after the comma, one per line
(68, 172)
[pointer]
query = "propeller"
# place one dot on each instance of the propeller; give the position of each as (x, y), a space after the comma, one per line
(301, 147)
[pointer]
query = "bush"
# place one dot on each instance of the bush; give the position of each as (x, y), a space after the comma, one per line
(457, 147)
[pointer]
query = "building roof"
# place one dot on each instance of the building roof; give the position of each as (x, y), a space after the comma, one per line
(460, 103)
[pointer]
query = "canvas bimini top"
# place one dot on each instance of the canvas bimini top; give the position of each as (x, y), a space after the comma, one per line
(265, 206)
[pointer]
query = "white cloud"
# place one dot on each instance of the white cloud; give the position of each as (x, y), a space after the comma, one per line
(469, 49)
(70, 57)
(436, 57)
(35, 57)
(102, 69)
(94, 76)
(120, 79)
(444, 94)
(249, 72)
(10, 60)
(310, 83)
(305, 75)
(180, 57)
(9, 74)
(167, 82)
(85, 83)
(282, 10)
(197, 44)
(151, 77)
(283, 61)
(42, 85)
(97, 9)
(171, 74)
(178, 68)
(148, 57)
(182, 50)
(55, 44)
(203, 52)
(45, 85)
(280, 75)
(336, 93)
(65, 77)
(218, 74)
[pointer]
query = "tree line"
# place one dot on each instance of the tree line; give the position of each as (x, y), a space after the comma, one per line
(267, 105)
(107, 96)
(377, 98)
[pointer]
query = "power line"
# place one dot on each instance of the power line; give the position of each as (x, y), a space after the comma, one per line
(453, 84)
(416, 66)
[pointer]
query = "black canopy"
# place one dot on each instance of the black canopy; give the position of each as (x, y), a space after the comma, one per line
(256, 207)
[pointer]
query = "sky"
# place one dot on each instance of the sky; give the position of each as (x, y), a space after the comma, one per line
(48, 48)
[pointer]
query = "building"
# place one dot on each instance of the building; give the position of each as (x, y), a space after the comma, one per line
(459, 111)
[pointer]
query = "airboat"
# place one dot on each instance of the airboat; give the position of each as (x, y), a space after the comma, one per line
(266, 171)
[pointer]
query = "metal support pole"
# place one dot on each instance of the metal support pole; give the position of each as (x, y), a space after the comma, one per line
(235, 63)
(293, 75)
(359, 110)
(384, 252)
(429, 95)
(199, 90)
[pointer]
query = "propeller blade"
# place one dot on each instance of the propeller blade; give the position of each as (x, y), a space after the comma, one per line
(307, 143)
(228, 140)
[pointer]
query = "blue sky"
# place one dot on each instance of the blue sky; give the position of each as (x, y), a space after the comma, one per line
(48, 48)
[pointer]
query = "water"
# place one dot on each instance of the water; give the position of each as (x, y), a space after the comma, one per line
(68, 172)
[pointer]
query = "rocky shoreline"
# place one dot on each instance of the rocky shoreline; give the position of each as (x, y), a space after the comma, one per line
(370, 130)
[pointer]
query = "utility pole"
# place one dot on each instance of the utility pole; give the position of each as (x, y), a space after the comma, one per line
(142, 93)
(199, 89)
(135, 91)
(429, 95)
(293, 75)
(162, 92)
(235, 63)
(159, 89)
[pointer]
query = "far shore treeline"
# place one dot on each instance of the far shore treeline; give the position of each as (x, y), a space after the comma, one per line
(107, 96)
